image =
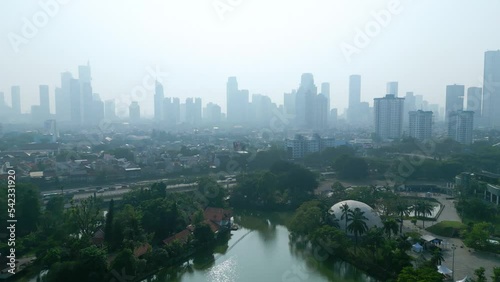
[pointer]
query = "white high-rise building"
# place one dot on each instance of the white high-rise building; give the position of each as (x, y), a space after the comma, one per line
(460, 126)
(388, 117)
(420, 124)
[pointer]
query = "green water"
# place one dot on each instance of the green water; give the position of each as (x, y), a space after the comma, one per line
(261, 250)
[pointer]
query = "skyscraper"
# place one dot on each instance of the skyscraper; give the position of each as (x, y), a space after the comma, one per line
(97, 110)
(392, 88)
(409, 107)
(63, 98)
(304, 102)
(212, 113)
(454, 99)
(193, 111)
(231, 99)
(44, 101)
(85, 78)
(320, 112)
(420, 124)
(460, 126)
(171, 111)
(325, 91)
(158, 101)
(134, 112)
(491, 89)
(75, 102)
(289, 102)
(15, 93)
(354, 98)
(388, 117)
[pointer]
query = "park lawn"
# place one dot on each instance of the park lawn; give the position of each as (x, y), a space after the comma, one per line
(447, 228)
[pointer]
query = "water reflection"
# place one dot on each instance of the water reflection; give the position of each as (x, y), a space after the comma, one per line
(261, 250)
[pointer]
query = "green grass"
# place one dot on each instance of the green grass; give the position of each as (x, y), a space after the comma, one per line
(447, 228)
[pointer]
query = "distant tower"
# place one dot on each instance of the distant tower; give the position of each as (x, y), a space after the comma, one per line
(110, 109)
(454, 99)
(76, 102)
(354, 98)
(421, 125)
(389, 117)
(491, 89)
(392, 88)
(460, 126)
(158, 102)
(15, 92)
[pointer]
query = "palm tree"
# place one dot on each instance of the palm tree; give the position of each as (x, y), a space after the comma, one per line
(403, 209)
(345, 214)
(437, 256)
(332, 218)
(390, 227)
(425, 209)
(358, 223)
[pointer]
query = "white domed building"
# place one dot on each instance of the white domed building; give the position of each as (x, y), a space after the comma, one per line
(373, 219)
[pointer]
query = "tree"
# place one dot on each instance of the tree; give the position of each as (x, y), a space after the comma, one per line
(390, 227)
(437, 256)
(307, 218)
(424, 209)
(358, 223)
(125, 260)
(203, 234)
(427, 274)
(478, 237)
(402, 209)
(108, 228)
(480, 276)
(496, 274)
(374, 239)
(87, 216)
(345, 214)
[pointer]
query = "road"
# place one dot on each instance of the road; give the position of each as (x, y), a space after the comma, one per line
(466, 260)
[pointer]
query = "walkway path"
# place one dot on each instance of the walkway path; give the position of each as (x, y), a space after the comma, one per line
(466, 260)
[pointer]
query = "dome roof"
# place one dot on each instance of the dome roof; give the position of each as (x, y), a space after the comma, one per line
(373, 217)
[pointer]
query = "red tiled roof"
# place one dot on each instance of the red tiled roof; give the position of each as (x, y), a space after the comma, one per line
(181, 236)
(217, 214)
(212, 225)
(141, 250)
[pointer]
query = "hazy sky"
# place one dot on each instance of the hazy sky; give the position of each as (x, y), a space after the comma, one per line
(267, 44)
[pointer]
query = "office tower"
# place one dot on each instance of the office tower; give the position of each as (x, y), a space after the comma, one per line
(75, 102)
(261, 110)
(392, 88)
(97, 110)
(63, 99)
(454, 99)
(85, 78)
(193, 111)
(354, 98)
(237, 102)
(15, 93)
(320, 112)
(388, 117)
(325, 91)
(212, 113)
(50, 127)
(44, 101)
(409, 107)
(171, 111)
(420, 124)
(134, 112)
(304, 102)
(491, 89)
(460, 126)
(110, 109)
(158, 101)
(289, 102)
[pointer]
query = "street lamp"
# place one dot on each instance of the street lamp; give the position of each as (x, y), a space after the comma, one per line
(453, 247)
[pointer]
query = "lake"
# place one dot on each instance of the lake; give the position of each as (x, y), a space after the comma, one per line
(261, 250)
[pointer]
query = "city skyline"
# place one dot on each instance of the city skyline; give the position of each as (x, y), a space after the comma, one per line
(240, 46)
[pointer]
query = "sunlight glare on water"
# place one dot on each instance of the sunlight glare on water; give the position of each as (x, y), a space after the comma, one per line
(226, 271)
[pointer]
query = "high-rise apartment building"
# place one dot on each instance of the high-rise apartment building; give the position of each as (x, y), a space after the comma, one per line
(454, 99)
(44, 101)
(354, 99)
(460, 126)
(491, 89)
(420, 124)
(158, 102)
(388, 117)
